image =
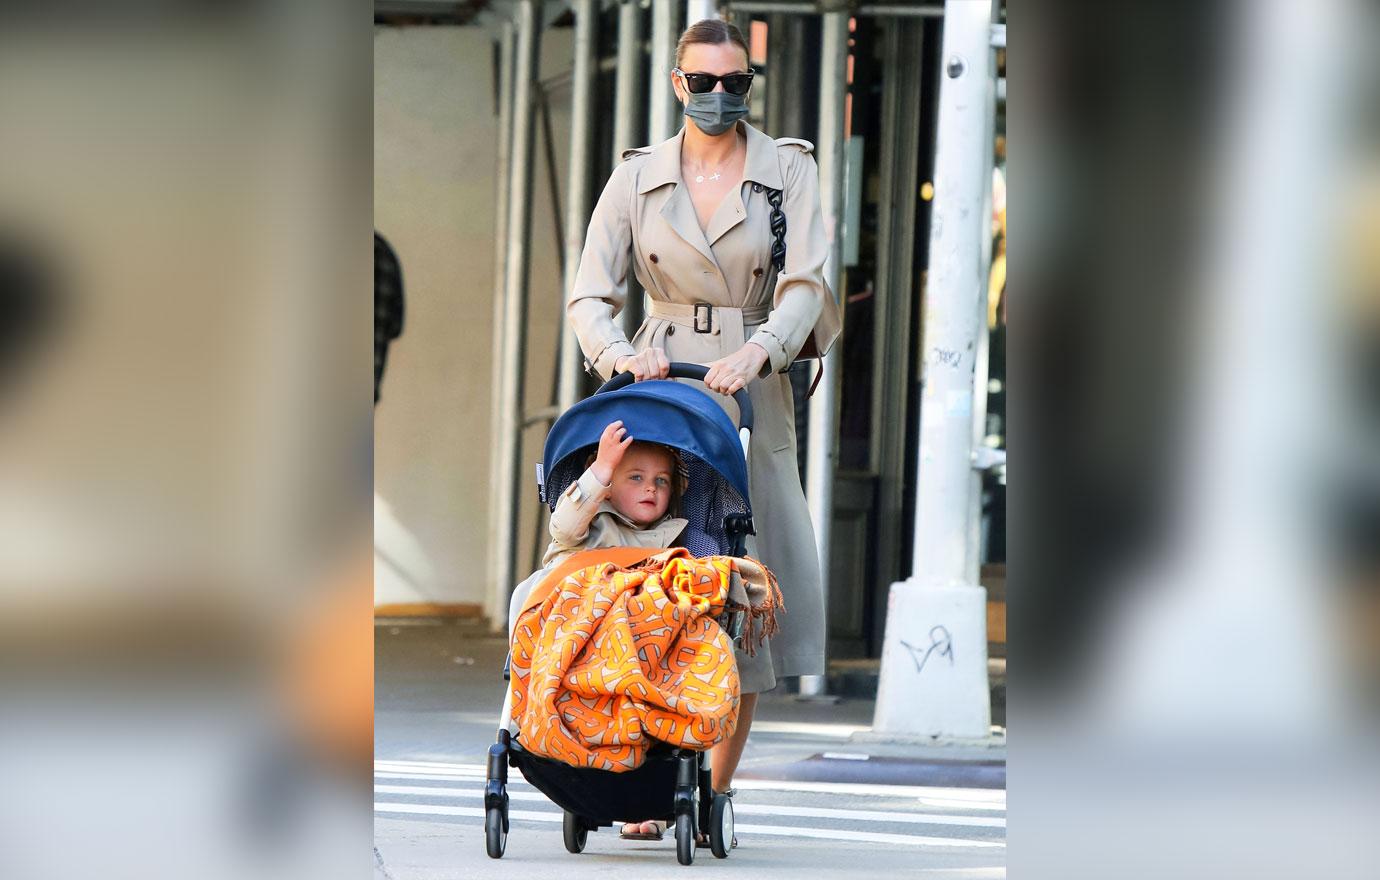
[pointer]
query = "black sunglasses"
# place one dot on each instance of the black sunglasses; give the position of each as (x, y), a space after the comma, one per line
(734, 83)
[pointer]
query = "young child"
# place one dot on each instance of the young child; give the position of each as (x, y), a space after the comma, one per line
(628, 497)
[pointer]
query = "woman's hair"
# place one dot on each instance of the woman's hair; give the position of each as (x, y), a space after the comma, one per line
(712, 31)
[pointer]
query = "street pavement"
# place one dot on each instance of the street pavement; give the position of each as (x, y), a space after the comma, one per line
(816, 795)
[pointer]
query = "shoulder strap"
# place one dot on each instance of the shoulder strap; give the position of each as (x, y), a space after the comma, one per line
(777, 219)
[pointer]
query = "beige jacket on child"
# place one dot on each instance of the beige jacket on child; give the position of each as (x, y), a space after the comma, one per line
(585, 520)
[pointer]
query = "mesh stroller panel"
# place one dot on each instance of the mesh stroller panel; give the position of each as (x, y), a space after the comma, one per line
(708, 499)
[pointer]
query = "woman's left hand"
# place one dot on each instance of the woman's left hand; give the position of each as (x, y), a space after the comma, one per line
(729, 374)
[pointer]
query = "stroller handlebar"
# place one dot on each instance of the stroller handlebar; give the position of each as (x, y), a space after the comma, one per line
(682, 370)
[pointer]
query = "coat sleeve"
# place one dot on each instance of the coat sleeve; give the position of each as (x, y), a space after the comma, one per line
(800, 293)
(601, 283)
(574, 512)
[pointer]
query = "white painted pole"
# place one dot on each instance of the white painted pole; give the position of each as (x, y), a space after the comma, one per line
(627, 128)
(934, 655)
(578, 202)
(663, 117)
(822, 454)
(499, 335)
(699, 10)
(507, 428)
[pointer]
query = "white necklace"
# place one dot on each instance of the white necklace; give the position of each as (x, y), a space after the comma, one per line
(701, 178)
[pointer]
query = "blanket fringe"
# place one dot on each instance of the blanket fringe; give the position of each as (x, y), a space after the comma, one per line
(761, 623)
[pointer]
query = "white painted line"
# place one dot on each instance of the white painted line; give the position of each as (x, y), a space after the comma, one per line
(473, 812)
(800, 728)
(476, 793)
(738, 808)
(430, 765)
(771, 830)
(934, 796)
(844, 756)
(987, 799)
(437, 774)
(866, 836)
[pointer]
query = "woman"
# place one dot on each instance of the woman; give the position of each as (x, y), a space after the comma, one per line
(694, 214)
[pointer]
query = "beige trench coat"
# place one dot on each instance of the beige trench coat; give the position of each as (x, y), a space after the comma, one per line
(645, 213)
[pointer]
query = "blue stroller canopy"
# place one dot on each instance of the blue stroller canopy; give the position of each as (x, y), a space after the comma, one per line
(677, 415)
(656, 411)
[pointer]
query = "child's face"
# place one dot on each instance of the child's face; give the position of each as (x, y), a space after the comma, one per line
(642, 484)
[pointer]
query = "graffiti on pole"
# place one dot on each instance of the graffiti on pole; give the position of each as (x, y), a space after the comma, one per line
(941, 642)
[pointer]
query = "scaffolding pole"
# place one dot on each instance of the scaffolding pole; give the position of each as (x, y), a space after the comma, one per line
(699, 10)
(578, 202)
(822, 450)
(934, 655)
(511, 333)
(662, 106)
(627, 124)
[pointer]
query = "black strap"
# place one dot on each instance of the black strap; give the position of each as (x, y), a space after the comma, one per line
(778, 229)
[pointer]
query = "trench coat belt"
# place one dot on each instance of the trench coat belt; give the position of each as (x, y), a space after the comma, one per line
(717, 316)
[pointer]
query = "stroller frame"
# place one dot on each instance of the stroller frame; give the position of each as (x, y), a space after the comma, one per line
(591, 797)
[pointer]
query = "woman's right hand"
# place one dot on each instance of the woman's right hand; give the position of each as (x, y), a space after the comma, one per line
(648, 364)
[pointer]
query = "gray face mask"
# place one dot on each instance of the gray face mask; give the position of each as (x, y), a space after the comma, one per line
(716, 112)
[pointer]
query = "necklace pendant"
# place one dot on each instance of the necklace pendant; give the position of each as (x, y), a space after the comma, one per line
(699, 179)
(716, 176)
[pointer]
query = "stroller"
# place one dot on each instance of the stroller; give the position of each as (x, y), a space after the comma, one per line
(673, 783)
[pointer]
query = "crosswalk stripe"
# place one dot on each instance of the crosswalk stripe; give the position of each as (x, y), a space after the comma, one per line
(931, 796)
(768, 830)
(738, 808)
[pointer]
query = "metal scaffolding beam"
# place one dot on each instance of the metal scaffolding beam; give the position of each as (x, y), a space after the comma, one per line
(663, 116)
(822, 453)
(578, 202)
(766, 7)
(627, 123)
(699, 10)
(511, 333)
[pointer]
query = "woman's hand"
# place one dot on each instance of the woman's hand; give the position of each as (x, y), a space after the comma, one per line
(729, 374)
(648, 364)
(612, 444)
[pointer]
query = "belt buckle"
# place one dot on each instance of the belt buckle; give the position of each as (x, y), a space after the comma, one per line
(708, 325)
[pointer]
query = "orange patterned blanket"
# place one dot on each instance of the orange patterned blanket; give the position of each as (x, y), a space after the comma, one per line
(609, 655)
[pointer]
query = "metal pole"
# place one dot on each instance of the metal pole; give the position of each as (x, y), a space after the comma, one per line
(627, 123)
(940, 612)
(981, 353)
(662, 106)
(772, 8)
(578, 203)
(507, 436)
(699, 10)
(499, 334)
(822, 455)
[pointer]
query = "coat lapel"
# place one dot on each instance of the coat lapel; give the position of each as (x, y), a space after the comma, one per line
(762, 167)
(680, 213)
(663, 169)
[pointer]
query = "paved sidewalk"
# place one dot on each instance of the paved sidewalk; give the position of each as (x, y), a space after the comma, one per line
(451, 667)
(816, 796)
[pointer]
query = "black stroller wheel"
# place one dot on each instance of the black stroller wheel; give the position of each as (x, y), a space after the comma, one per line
(721, 826)
(495, 837)
(574, 832)
(685, 838)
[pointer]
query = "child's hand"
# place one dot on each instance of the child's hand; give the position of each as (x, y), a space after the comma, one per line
(612, 444)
